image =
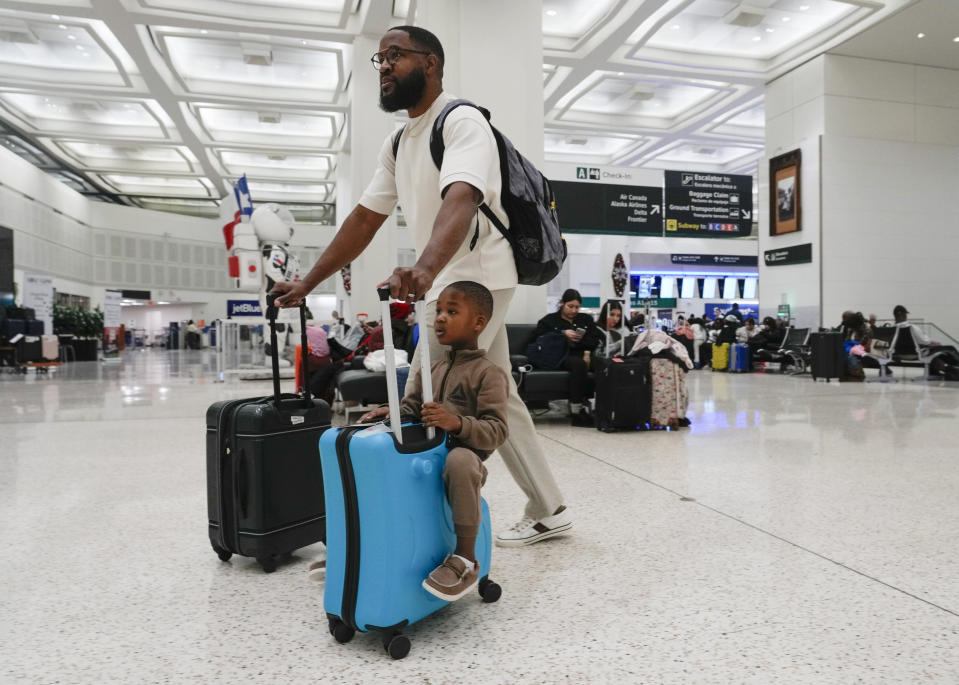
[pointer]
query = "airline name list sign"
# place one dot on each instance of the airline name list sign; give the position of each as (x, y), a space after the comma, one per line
(708, 205)
(606, 208)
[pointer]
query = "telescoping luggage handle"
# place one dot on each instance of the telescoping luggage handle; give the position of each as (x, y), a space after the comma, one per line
(392, 385)
(271, 313)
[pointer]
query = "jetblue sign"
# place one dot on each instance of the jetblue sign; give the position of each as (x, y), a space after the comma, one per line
(243, 308)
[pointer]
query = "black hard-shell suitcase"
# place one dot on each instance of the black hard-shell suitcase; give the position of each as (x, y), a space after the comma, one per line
(827, 355)
(34, 327)
(264, 479)
(623, 393)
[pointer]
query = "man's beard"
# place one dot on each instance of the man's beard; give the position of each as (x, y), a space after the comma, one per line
(406, 93)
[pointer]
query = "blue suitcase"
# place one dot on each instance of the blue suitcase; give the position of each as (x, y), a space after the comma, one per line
(738, 358)
(388, 523)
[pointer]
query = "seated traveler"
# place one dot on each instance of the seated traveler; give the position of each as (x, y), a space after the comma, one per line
(610, 323)
(581, 335)
(471, 408)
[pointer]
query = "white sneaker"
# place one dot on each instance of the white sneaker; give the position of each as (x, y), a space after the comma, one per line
(528, 530)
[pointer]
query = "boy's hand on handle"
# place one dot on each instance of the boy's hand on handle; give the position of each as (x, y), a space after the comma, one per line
(408, 283)
(435, 415)
(375, 415)
(291, 294)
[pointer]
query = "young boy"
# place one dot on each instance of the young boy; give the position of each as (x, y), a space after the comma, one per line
(470, 405)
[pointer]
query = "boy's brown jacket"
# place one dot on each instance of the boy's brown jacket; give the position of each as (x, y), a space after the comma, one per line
(469, 385)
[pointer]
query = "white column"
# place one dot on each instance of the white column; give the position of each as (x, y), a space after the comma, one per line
(369, 126)
(494, 57)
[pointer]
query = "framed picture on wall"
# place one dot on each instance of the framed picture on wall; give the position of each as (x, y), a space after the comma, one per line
(785, 193)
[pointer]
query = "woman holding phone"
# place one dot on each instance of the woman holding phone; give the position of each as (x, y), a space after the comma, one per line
(581, 335)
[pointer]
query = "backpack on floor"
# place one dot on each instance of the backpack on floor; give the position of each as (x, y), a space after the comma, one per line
(527, 197)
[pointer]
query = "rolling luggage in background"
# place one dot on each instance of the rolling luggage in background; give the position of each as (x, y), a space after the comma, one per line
(720, 356)
(264, 479)
(50, 347)
(11, 327)
(388, 521)
(623, 397)
(738, 358)
(29, 349)
(669, 397)
(828, 355)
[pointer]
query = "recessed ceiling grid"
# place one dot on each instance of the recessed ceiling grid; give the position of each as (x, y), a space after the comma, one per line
(162, 103)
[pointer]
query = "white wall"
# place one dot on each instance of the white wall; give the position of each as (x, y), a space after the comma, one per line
(90, 246)
(794, 119)
(890, 176)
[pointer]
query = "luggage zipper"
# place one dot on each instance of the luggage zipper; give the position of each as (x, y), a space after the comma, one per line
(351, 575)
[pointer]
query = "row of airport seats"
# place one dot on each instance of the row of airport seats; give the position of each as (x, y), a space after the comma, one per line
(359, 389)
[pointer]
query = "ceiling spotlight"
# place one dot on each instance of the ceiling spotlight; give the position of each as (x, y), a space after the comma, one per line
(204, 31)
(675, 27)
(803, 8)
(71, 37)
(63, 26)
(920, 35)
(551, 13)
(80, 47)
(620, 73)
(956, 39)
(785, 19)
(576, 140)
(55, 17)
(770, 30)
(756, 39)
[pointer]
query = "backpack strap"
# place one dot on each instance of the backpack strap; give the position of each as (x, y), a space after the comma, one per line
(438, 149)
(396, 141)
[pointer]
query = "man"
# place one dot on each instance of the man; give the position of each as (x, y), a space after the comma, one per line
(441, 209)
(735, 312)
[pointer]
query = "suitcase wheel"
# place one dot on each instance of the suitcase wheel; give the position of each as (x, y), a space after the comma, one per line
(268, 563)
(489, 591)
(341, 632)
(222, 553)
(396, 645)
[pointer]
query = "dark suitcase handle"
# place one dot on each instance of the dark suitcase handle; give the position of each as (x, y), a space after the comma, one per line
(242, 484)
(271, 313)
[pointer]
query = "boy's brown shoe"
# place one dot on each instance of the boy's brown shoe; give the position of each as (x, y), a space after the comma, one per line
(452, 579)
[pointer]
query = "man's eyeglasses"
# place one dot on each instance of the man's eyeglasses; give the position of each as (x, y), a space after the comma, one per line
(390, 55)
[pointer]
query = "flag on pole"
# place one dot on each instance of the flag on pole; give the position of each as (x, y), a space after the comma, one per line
(229, 218)
(243, 199)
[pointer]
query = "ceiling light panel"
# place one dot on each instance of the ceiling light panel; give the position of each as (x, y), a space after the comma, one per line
(715, 26)
(51, 115)
(573, 18)
(558, 143)
(265, 191)
(259, 67)
(133, 158)
(705, 153)
(158, 185)
(66, 52)
(209, 208)
(628, 96)
(313, 131)
(332, 13)
(754, 117)
(291, 166)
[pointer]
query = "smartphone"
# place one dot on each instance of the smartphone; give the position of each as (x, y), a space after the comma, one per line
(580, 331)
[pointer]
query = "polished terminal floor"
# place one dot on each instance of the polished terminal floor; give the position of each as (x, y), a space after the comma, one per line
(799, 532)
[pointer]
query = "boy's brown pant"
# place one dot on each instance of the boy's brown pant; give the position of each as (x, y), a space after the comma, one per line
(464, 475)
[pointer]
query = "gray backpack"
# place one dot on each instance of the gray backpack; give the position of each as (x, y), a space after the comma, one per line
(534, 234)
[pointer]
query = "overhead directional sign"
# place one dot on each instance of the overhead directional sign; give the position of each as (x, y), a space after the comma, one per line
(708, 205)
(606, 208)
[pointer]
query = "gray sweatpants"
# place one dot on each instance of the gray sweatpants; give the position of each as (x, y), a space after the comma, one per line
(522, 452)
